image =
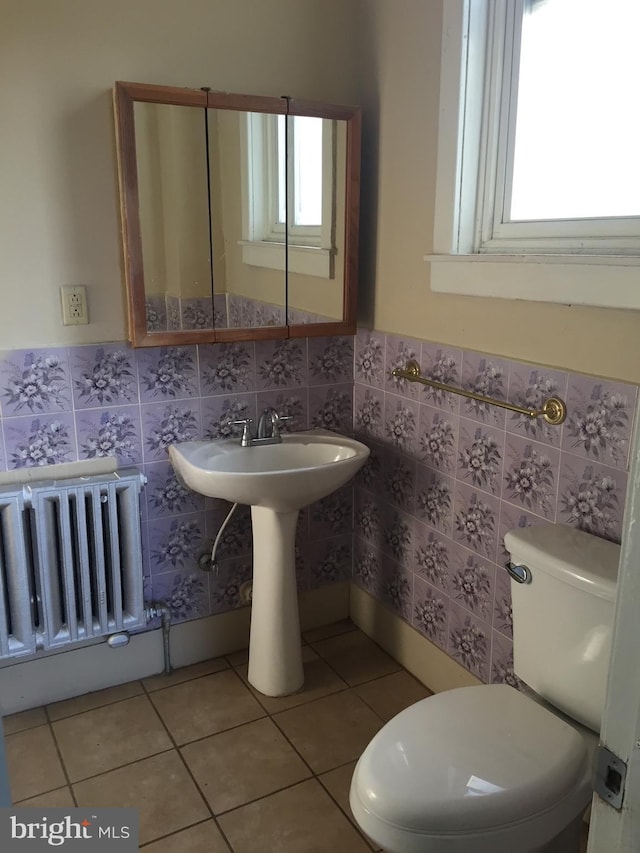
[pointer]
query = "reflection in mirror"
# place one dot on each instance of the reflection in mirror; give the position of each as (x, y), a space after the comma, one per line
(174, 217)
(316, 219)
(239, 214)
(254, 291)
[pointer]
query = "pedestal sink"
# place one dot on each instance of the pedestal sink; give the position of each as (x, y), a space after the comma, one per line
(276, 480)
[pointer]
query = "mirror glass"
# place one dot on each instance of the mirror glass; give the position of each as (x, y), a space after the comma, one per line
(236, 221)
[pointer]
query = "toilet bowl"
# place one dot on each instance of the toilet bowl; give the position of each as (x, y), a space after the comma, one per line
(505, 776)
(494, 769)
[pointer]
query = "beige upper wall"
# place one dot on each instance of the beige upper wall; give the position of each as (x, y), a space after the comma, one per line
(59, 220)
(404, 90)
(59, 214)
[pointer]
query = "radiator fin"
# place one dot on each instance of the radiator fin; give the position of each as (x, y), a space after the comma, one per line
(70, 562)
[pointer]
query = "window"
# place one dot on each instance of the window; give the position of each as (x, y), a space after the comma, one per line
(290, 187)
(540, 97)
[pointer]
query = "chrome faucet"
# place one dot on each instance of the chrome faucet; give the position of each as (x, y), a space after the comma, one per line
(268, 431)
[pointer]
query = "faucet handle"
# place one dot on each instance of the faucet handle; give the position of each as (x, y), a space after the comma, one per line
(279, 419)
(245, 423)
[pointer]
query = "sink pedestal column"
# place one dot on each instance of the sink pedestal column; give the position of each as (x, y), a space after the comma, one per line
(275, 653)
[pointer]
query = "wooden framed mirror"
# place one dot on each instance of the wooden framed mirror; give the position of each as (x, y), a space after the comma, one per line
(239, 215)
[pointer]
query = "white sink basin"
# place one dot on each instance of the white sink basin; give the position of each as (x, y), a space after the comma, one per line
(276, 480)
(305, 467)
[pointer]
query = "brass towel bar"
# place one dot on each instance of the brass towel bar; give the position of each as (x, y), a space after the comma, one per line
(554, 410)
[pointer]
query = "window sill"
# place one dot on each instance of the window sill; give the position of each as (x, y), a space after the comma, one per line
(305, 260)
(596, 280)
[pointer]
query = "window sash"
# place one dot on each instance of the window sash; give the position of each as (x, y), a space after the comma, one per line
(487, 135)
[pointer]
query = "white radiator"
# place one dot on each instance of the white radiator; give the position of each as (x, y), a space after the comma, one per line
(70, 561)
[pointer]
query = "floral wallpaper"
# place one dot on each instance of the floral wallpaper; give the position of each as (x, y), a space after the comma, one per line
(421, 527)
(61, 405)
(448, 477)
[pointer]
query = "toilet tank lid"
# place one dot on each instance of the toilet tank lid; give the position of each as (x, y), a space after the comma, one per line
(575, 557)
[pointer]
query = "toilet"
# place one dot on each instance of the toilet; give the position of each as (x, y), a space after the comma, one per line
(494, 769)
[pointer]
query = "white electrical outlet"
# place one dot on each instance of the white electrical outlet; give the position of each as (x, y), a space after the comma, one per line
(74, 305)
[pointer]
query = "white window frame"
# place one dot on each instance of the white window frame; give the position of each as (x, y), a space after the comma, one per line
(311, 250)
(474, 252)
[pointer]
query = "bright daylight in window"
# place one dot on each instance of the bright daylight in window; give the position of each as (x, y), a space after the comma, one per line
(577, 133)
(538, 173)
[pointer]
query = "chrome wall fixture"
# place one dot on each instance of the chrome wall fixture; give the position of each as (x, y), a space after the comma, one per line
(554, 410)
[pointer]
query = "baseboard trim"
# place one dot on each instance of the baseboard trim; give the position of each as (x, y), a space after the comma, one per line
(51, 678)
(430, 665)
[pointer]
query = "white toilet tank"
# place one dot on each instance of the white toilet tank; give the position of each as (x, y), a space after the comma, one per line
(563, 617)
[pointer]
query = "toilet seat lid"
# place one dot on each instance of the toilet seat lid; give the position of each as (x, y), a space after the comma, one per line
(470, 759)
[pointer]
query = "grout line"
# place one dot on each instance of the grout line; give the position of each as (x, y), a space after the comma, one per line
(60, 758)
(190, 774)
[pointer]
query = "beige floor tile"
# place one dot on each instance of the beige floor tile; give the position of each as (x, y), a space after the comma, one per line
(109, 737)
(206, 706)
(330, 731)
(392, 693)
(355, 657)
(240, 765)
(24, 720)
(184, 673)
(319, 680)
(97, 699)
(238, 658)
(302, 819)
(203, 838)
(33, 763)
(61, 798)
(325, 631)
(337, 782)
(160, 787)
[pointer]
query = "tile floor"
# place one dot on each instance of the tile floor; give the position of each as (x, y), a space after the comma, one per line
(211, 765)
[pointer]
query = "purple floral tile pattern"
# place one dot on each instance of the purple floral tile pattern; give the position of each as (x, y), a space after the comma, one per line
(398, 353)
(531, 387)
(167, 373)
(368, 421)
(167, 423)
(599, 417)
(113, 401)
(291, 404)
(186, 594)
(219, 413)
(401, 423)
(330, 360)
(438, 438)
(110, 432)
(475, 472)
(331, 561)
(165, 495)
(34, 382)
(369, 358)
(331, 408)
(36, 442)
(281, 364)
(480, 455)
(486, 376)
(103, 376)
(430, 508)
(430, 612)
(469, 641)
(225, 368)
(591, 498)
(441, 365)
(196, 313)
(530, 476)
